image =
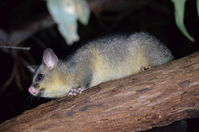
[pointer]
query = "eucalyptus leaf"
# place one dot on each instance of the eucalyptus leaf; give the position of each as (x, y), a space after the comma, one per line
(65, 13)
(82, 10)
(197, 4)
(179, 6)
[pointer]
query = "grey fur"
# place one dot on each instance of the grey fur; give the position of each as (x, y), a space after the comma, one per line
(117, 52)
(116, 48)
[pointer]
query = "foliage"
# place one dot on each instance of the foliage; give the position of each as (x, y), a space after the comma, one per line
(65, 13)
(179, 6)
(197, 3)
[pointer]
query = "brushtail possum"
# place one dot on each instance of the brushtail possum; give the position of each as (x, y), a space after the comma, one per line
(98, 61)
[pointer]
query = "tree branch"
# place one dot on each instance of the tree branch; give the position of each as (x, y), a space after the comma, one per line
(153, 98)
(22, 33)
(99, 7)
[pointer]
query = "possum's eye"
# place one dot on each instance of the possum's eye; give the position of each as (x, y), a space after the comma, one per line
(39, 77)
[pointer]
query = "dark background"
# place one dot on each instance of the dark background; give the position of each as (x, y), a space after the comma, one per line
(157, 18)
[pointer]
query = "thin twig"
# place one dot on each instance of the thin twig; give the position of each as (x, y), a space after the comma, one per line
(15, 47)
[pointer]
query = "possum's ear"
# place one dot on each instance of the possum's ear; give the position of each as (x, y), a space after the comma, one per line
(49, 58)
(32, 68)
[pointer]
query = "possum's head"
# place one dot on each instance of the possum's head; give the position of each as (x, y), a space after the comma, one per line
(48, 80)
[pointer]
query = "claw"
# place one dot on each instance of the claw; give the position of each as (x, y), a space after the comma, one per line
(75, 91)
(145, 68)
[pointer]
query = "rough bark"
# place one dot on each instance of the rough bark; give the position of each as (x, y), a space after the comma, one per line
(153, 98)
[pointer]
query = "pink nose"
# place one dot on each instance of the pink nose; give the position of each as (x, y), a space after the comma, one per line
(33, 91)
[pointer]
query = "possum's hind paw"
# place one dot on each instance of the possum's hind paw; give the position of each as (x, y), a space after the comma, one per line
(145, 68)
(75, 91)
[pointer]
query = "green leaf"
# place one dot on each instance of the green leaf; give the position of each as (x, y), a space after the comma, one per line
(197, 4)
(65, 13)
(179, 6)
(82, 10)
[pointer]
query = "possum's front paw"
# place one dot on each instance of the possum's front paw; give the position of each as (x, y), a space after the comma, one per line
(75, 91)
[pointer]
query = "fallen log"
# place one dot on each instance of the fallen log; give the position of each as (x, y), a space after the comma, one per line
(153, 98)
